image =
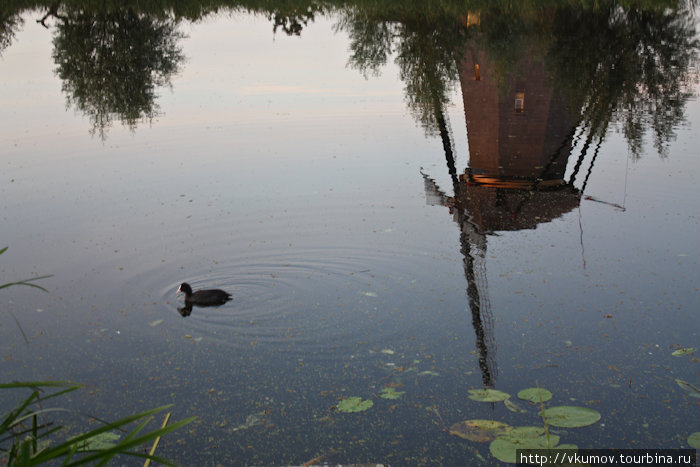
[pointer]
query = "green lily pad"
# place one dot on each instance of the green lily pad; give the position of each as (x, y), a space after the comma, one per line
(523, 432)
(535, 395)
(504, 448)
(390, 393)
(354, 404)
(684, 351)
(567, 416)
(488, 395)
(479, 431)
(694, 440)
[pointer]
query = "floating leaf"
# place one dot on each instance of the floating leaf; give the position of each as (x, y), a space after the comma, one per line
(523, 432)
(390, 393)
(694, 440)
(513, 407)
(689, 388)
(479, 431)
(387, 351)
(488, 395)
(428, 373)
(684, 351)
(535, 395)
(155, 323)
(504, 448)
(567, 416)
(354, 404)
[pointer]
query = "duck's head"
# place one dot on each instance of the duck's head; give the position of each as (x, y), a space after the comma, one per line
(185, 288)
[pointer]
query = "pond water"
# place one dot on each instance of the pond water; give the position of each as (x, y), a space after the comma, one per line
(391, 207)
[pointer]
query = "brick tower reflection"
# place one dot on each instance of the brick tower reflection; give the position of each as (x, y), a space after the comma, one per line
(520, 135)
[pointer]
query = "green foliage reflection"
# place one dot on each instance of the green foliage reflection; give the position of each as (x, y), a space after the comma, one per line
(111, 63)
(625, 64)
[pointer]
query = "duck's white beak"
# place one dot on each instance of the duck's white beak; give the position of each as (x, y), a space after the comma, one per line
(179, 291)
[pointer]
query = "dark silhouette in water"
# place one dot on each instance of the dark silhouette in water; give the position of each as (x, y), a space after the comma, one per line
(212, 297)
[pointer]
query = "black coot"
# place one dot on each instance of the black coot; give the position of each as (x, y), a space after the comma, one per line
(213, 297)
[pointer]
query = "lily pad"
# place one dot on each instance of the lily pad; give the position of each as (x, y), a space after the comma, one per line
(504, 448)
(391, 393)
(488, 395)
(684, 351)
(689, 388)
(567, 416)
(479, 431)
(694, 440)
(535, 395)
(354, 404)
(523, 432)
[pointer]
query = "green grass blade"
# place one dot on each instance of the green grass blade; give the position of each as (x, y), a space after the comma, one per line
(64, 447)
(12, 417)
(124, 446)
(38, 384)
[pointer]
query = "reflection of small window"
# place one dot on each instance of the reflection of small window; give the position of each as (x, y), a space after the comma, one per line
(519, 101)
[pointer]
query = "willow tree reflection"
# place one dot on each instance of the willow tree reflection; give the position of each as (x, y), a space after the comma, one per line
(111, 63)
(9, 25)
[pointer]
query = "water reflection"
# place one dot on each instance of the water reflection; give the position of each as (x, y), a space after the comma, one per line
(624, 66)
(611, 65)
(112, 62)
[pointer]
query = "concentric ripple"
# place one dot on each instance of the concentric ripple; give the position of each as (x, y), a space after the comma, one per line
(301, 301)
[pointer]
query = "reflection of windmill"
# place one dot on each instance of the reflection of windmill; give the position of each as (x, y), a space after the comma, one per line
(473, 248)
(520, 137)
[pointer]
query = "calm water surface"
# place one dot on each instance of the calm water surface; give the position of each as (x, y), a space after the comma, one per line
(366, 245)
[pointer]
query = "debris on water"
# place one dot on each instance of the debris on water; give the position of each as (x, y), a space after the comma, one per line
(387, 351)
(513, 407)
(391, 393)
(252, 420)
(689, 388)
(155, 323)
(684, 351)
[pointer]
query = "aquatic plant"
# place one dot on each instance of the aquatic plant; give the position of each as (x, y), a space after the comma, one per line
(505, 440)
(354, 404)
(28, 437)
